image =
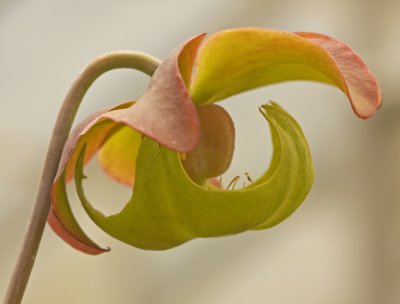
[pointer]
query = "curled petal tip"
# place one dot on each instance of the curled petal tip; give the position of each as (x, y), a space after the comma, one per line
(361, 86)
(85, 246)
(234, 61)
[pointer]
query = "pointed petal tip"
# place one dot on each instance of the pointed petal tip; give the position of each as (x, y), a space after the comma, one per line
(70, 239)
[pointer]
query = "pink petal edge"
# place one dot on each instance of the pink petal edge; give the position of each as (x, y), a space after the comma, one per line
(363, 88)
(166, 112)
(70, 239)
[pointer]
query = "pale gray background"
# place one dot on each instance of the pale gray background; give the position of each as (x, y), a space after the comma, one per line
(343, 244)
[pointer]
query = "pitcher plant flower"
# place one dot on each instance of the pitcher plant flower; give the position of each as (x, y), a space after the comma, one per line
(172, 143)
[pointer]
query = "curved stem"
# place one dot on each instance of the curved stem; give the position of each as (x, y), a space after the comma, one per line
(38, 217)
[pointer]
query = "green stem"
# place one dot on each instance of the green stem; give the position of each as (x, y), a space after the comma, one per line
(38, 217)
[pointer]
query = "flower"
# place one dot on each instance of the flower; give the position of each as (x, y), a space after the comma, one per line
(171, 143)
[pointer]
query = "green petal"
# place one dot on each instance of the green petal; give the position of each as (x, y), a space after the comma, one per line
(167, 208)
(237, 60)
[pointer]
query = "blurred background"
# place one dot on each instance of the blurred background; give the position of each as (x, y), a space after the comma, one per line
(341, 246)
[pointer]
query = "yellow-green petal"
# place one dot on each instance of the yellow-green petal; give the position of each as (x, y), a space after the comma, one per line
(118, 155)
(167, 208)
(233, 61)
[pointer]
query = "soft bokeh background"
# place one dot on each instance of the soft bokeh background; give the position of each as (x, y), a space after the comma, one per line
(341, 246)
